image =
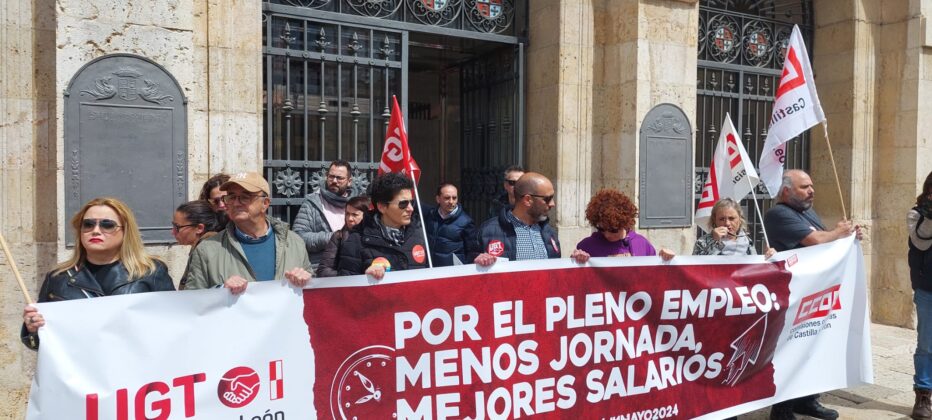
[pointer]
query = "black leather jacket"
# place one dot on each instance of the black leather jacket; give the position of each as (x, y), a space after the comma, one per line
(81, 284)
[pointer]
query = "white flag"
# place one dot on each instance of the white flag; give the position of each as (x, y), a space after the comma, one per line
(731, 174)
(795, 109)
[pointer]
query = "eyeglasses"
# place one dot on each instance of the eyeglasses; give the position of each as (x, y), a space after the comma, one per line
(107, 226)
(336, 177)
(177, 227)
(615, 230)
(511, 182)
(547, 198)
(241, 199)
(403, 204)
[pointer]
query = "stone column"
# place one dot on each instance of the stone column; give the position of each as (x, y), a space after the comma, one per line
(27, 178)
(645, 56)
(560, 109)
(227, 106)
(869, 64)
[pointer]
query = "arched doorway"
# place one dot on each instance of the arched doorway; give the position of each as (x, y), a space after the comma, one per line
(741, 50)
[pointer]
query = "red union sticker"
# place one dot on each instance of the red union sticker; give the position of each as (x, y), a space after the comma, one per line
(238, 387)
(418, 253)
(496, 248)
(555, 247)
(792, 260)
(819, 304)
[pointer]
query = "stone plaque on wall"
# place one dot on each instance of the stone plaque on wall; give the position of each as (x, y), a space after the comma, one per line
(125, 129)
(666, 168)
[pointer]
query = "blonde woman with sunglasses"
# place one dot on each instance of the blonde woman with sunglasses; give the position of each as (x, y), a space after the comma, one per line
(108, 259)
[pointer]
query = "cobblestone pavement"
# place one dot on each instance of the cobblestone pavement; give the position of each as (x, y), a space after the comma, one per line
(890, 397)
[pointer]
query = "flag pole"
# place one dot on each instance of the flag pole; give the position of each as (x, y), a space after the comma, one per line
(841, 198)
(19, 278)
(760, 217)
(420, 213)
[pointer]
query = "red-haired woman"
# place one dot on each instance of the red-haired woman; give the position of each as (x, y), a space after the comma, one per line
(612, 214)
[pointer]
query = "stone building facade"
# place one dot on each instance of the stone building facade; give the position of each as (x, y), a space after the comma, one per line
(594, 68)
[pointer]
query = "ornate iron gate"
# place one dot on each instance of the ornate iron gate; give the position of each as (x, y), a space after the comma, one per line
(492, 100)
(741, 49)
(330, 68)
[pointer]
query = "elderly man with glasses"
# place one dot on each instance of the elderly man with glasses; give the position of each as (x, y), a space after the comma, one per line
(253, 247)
(389, 237)
(523, 232)
(323, 211)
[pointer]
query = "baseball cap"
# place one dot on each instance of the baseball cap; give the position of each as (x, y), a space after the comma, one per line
(250, 181)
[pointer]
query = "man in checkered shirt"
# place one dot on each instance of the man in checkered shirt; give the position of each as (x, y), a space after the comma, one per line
(523, 232)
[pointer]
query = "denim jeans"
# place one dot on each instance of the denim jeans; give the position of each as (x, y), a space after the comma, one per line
(923, 357)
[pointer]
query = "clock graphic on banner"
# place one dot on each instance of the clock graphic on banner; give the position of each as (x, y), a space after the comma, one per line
(361, 384)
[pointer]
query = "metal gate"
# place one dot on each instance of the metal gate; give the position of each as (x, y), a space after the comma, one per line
(493, 100)
(741, 49)
(330, 68)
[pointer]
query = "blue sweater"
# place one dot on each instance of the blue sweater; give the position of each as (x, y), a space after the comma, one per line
(260, 253)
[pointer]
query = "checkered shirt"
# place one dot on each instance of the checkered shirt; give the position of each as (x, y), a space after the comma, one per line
(529, 243)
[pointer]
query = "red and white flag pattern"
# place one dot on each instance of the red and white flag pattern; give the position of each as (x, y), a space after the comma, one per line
(795, 109)
(731, 173)
(396, 155)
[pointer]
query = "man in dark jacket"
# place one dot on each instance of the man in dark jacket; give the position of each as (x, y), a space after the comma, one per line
(523, 232)
(507, 199)
(389, 239)
(450, 230)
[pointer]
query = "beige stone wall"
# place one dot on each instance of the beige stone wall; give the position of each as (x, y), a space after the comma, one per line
(212, 47)
(591, 81)
(645, 56)
(27, 133)
(560, 109)
(870, 61)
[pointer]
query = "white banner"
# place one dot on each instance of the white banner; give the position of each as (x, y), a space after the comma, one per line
(202, 354)
(207, 354)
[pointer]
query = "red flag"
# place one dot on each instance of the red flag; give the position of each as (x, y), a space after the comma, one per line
(396, 156)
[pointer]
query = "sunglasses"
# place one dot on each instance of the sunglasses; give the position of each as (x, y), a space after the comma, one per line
(241, 199)
(177, 228)
(547, 198)
(106, 225)
(403, 204)
(615, 230)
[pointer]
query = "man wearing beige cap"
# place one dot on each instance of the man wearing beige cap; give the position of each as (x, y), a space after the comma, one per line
(253, 247)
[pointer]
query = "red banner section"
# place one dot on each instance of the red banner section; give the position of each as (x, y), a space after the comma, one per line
(623, 342)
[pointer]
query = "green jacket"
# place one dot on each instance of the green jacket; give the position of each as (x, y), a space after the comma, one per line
(221, 256)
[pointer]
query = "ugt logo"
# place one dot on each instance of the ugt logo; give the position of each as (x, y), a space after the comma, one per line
(819, 304)
(155, 400)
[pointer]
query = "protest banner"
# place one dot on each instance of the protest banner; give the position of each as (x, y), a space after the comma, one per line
(627, 338)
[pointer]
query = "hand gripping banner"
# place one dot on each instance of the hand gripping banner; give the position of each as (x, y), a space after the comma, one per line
(627, 338)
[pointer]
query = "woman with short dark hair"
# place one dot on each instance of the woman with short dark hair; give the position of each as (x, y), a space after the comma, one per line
(389, 238)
